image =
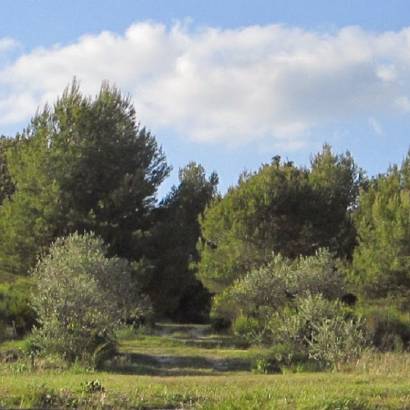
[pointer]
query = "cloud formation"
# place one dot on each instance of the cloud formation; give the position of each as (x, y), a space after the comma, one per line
(257, 83)
(7, 44)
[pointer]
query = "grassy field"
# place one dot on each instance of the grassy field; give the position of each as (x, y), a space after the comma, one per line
(187, 367)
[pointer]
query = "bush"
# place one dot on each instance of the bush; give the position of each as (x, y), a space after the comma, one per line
(296, 326)
(275, 287)
(81, 297)
(15, 310)
(263, 365)
(388, 327)
(271, 287)
(319, 329)
(250, 329)
(337, 341)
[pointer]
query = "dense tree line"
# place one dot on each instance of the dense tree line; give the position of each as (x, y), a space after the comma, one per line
(82, 165)
(85, 166)
(381, 263)
(280, 208)
(173, 286)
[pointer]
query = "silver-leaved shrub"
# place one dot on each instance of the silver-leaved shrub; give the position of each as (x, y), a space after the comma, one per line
(81, 297)
(320, 329)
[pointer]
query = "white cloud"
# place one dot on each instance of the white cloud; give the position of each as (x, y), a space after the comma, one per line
(258, 83)
(403, 103)
(375, 126)
(7, 44)
(387, 72)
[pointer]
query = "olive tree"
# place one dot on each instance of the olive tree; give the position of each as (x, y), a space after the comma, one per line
(319, 329)
(81, 297)
(272, 286)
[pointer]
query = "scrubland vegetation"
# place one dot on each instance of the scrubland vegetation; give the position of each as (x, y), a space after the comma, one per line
(297, 278)
(190, 367)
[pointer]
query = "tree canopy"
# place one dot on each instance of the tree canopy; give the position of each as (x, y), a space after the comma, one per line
(281, 208)
(174, 288)
(6, 184)
(381, 261)
(85, 165)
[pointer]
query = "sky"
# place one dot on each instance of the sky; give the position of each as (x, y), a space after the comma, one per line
(228, 83)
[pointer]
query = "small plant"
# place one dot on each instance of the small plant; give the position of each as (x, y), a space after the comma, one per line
(93, 386)
(44, 397)
(345, 404)
(248, 328)
(104, 351)
(285, 354)
(264, 365)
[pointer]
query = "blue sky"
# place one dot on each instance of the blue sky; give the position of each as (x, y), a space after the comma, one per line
(229, 84)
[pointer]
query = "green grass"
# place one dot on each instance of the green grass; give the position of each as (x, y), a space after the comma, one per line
(12, 344)
(178, 368)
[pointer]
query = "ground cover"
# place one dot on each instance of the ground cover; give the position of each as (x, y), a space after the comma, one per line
(189, 367)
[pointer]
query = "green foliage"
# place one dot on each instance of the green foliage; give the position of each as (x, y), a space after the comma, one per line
(320, 329)
(44, 397)
(93, 386)
(279, 209)
(271, 287)
(164, 372)
(381, 263)
(248, 328)
(288, 358)
(293, 303)
(337, 341)
(81, 297)
(295, 325)
(388, 328)
(336, 179)
(263, 365)
(83, 165)
(15, 310)
(6, 184)
(174, 289)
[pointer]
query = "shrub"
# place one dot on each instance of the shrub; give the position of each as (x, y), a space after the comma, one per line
(271, 287)
(263, 365)
(295, 326)
(319, 329)
(15, 309)
(296, 304)
(251, 329)
(337, 341)
(284, 354)
(388, 327)
(93, 386)
(81, 297)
